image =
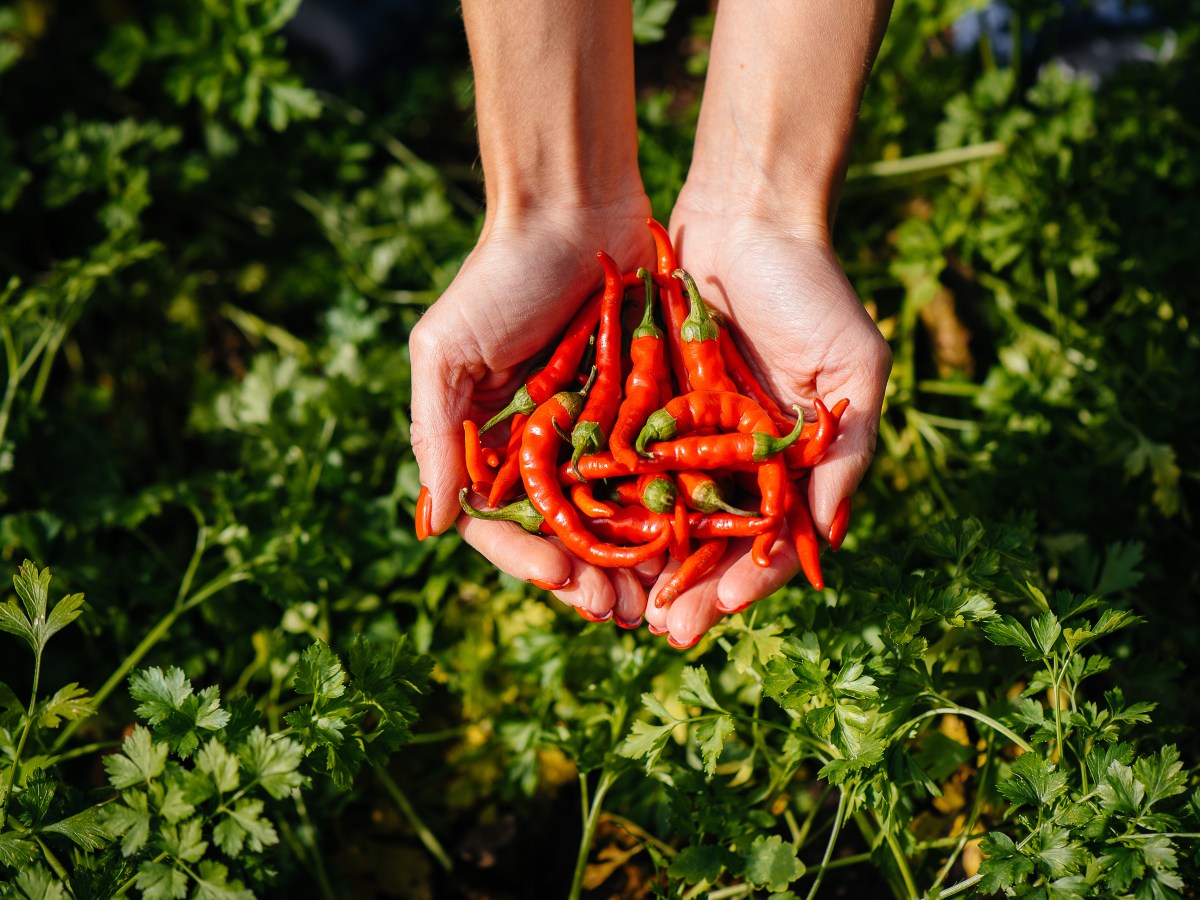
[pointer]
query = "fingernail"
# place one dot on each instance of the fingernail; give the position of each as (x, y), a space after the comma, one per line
(678, 646)
(424, 514)
(591, 616)
(657, 632)
(841, 523)
(732, 610)
(549, 586)
(627, 624)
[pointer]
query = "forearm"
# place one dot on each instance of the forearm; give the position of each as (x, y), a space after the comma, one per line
(784, 85)
(554, 99)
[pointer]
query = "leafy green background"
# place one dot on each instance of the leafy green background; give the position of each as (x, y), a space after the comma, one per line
(213, 250)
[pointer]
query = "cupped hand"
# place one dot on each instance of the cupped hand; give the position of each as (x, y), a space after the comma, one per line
(804, 331)
(528, 275)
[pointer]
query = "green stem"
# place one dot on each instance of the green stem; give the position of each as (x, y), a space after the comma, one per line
(923, 164)
(128, 883)
(428, 838)
(964, 885)
(314, 849)
(970, 714)
(736, 890)
(55, 865)
(972, 818)
(15, 771)
(82, 750)
(901, 863)
(607, 779)
(833, 836)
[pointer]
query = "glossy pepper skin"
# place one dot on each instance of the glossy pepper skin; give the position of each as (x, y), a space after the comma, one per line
(804, 535)
(695, 567)
(648, 378)
(655, 492)
(509, 473)
(701, 492)
(539, 462)
(722, 451)
(699, 343)
(599, 413)
(561, 367)
(674, 308)
(723, 410)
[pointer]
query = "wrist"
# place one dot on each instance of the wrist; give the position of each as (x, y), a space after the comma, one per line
(757, 204)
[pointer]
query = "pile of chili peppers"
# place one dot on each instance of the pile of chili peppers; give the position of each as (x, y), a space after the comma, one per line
(675, 445)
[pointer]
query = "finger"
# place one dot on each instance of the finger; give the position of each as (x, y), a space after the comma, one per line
(656, 616)
(630, 605)
(513, 550)
(441, 394)
(744, 582)
(838, 474)
(590, 591)
(693, 612)
(648, 571)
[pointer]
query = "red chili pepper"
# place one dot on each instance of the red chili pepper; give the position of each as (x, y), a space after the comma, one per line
(674, 309)
(700, 344)
(722, 451)
(509, 473)
(648, 377)
(581, 496)
(804, 535)
(633, 524)
(477, 467)
(560, 369)
(600, 411)
(695, 567)
(681, 531)
(745, 381)
(704, 525)
(539, 452)
(820, 436)
(724, 410)
(772, 484)
(700, 491)
(655, 492)
(423, 513)
(594, 466)
(839, 408)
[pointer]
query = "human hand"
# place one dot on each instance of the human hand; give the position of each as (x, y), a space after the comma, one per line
(804, 331)
(520, 286)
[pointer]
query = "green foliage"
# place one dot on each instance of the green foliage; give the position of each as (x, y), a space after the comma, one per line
(213, 268)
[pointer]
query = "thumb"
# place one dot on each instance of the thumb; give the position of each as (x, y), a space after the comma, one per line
(441, 396)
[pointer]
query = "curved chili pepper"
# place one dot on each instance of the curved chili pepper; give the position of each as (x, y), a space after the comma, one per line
(839, 409)
(477, 467)
(655, 492)
(581, 496)
(695, 567)
(704, 525)
(821, 435)
(701, 493)
(699, 343)
(689, 412)
(804, 535)
(723, 451)
(522, 512)
(510, 472)
(594, 466)
(648, 377)
(596, 420)
(633, 524)
(423, 514)
(681, 531)
(561, 367)
(772, 485)
(539, 452)
(491, 458)
(674, 309)
(745, 381)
